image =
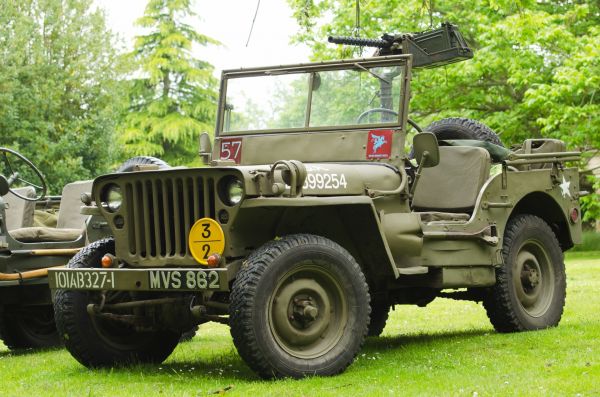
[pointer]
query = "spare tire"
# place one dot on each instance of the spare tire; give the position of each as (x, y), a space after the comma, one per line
(462, 128)
(129, 165)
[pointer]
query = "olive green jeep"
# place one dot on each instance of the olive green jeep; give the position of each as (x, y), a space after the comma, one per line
(312, 221)
(36, 232)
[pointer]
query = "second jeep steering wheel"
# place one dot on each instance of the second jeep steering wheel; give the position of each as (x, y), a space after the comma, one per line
(15, 176)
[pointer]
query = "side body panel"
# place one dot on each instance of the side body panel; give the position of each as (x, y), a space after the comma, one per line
(536, 192)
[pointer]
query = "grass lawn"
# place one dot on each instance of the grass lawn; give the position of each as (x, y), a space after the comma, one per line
(447, 348)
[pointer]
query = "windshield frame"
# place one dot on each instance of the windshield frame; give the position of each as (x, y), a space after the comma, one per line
(402, 61)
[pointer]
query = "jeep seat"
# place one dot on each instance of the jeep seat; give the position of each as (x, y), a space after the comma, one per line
(19, 212)
(450, 189)
(70, 224)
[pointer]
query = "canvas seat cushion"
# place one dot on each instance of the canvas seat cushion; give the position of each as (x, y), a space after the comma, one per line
(43, 218)
(453, 184)
(19, 212)
(69, 213)
(45, 234)
(70, 224)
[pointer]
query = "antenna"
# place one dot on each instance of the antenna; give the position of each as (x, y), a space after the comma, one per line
(253, 20)
(357, 21)
(357, 26)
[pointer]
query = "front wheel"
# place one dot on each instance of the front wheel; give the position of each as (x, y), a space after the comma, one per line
(530, 286)
(97, 341)
(299, 307)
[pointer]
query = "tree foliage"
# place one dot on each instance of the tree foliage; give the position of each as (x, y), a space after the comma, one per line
(172, 94)
(535, 73)
(57, 87)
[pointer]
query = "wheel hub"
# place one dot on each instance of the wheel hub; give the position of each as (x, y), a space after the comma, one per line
(532, 274)
(305, 310)
(530, 277)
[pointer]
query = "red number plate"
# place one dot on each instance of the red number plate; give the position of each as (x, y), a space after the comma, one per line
(231, 149)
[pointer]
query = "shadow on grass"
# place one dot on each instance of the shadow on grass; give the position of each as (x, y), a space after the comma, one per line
(397, 341)
(229, 367)
(28, 351)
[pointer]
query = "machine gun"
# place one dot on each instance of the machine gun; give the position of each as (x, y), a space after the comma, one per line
(429, 49)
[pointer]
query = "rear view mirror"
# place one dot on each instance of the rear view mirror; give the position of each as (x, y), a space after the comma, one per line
(205, 148)
(427, 151)
(4, 188)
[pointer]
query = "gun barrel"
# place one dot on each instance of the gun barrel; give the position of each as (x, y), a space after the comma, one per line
(358, 41)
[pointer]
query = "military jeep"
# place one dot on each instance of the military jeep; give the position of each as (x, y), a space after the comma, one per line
(37, 232)
(312, 221)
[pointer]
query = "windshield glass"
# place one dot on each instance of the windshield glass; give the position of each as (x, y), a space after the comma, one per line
(266, 102)
(335, 98)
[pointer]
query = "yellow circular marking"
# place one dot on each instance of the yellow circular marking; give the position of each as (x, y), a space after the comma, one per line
(206, 238)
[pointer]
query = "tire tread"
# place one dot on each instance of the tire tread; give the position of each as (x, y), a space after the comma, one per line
(14, 338)
(497, 302)
(129, 164)
(464, 126)
(71, 326)
(245, 288)
(379, 316)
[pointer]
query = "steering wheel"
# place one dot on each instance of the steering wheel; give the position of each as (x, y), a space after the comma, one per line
(16, 176)
(366, 113)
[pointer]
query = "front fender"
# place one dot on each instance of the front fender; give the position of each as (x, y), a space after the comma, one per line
(351, 221)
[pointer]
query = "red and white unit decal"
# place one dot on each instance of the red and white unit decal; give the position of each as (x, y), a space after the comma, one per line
(379, 144)
(231, 149)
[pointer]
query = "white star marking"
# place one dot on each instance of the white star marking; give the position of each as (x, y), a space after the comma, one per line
(564, 187)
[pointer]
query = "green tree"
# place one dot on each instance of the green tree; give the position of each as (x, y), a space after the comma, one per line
(535, 73)
(57, 87)
(173, 97)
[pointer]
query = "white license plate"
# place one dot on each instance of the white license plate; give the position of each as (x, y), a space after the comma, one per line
(84, 279)
(183, 279)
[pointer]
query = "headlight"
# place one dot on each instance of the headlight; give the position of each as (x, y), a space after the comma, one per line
(114, 198)
(235, 191)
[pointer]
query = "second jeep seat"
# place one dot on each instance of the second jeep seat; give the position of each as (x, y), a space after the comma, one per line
(70, 224)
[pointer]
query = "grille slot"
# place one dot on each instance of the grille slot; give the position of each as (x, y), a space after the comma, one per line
(161, 212)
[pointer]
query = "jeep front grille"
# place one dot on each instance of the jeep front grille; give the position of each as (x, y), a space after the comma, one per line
(161, 211)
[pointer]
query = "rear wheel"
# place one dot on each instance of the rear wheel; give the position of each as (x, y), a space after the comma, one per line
(28, 327)
(530, 286)
(96, 341)
(299, 307)
(379, 314)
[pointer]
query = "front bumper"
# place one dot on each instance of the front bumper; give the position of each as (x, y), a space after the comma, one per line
(160, 279)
